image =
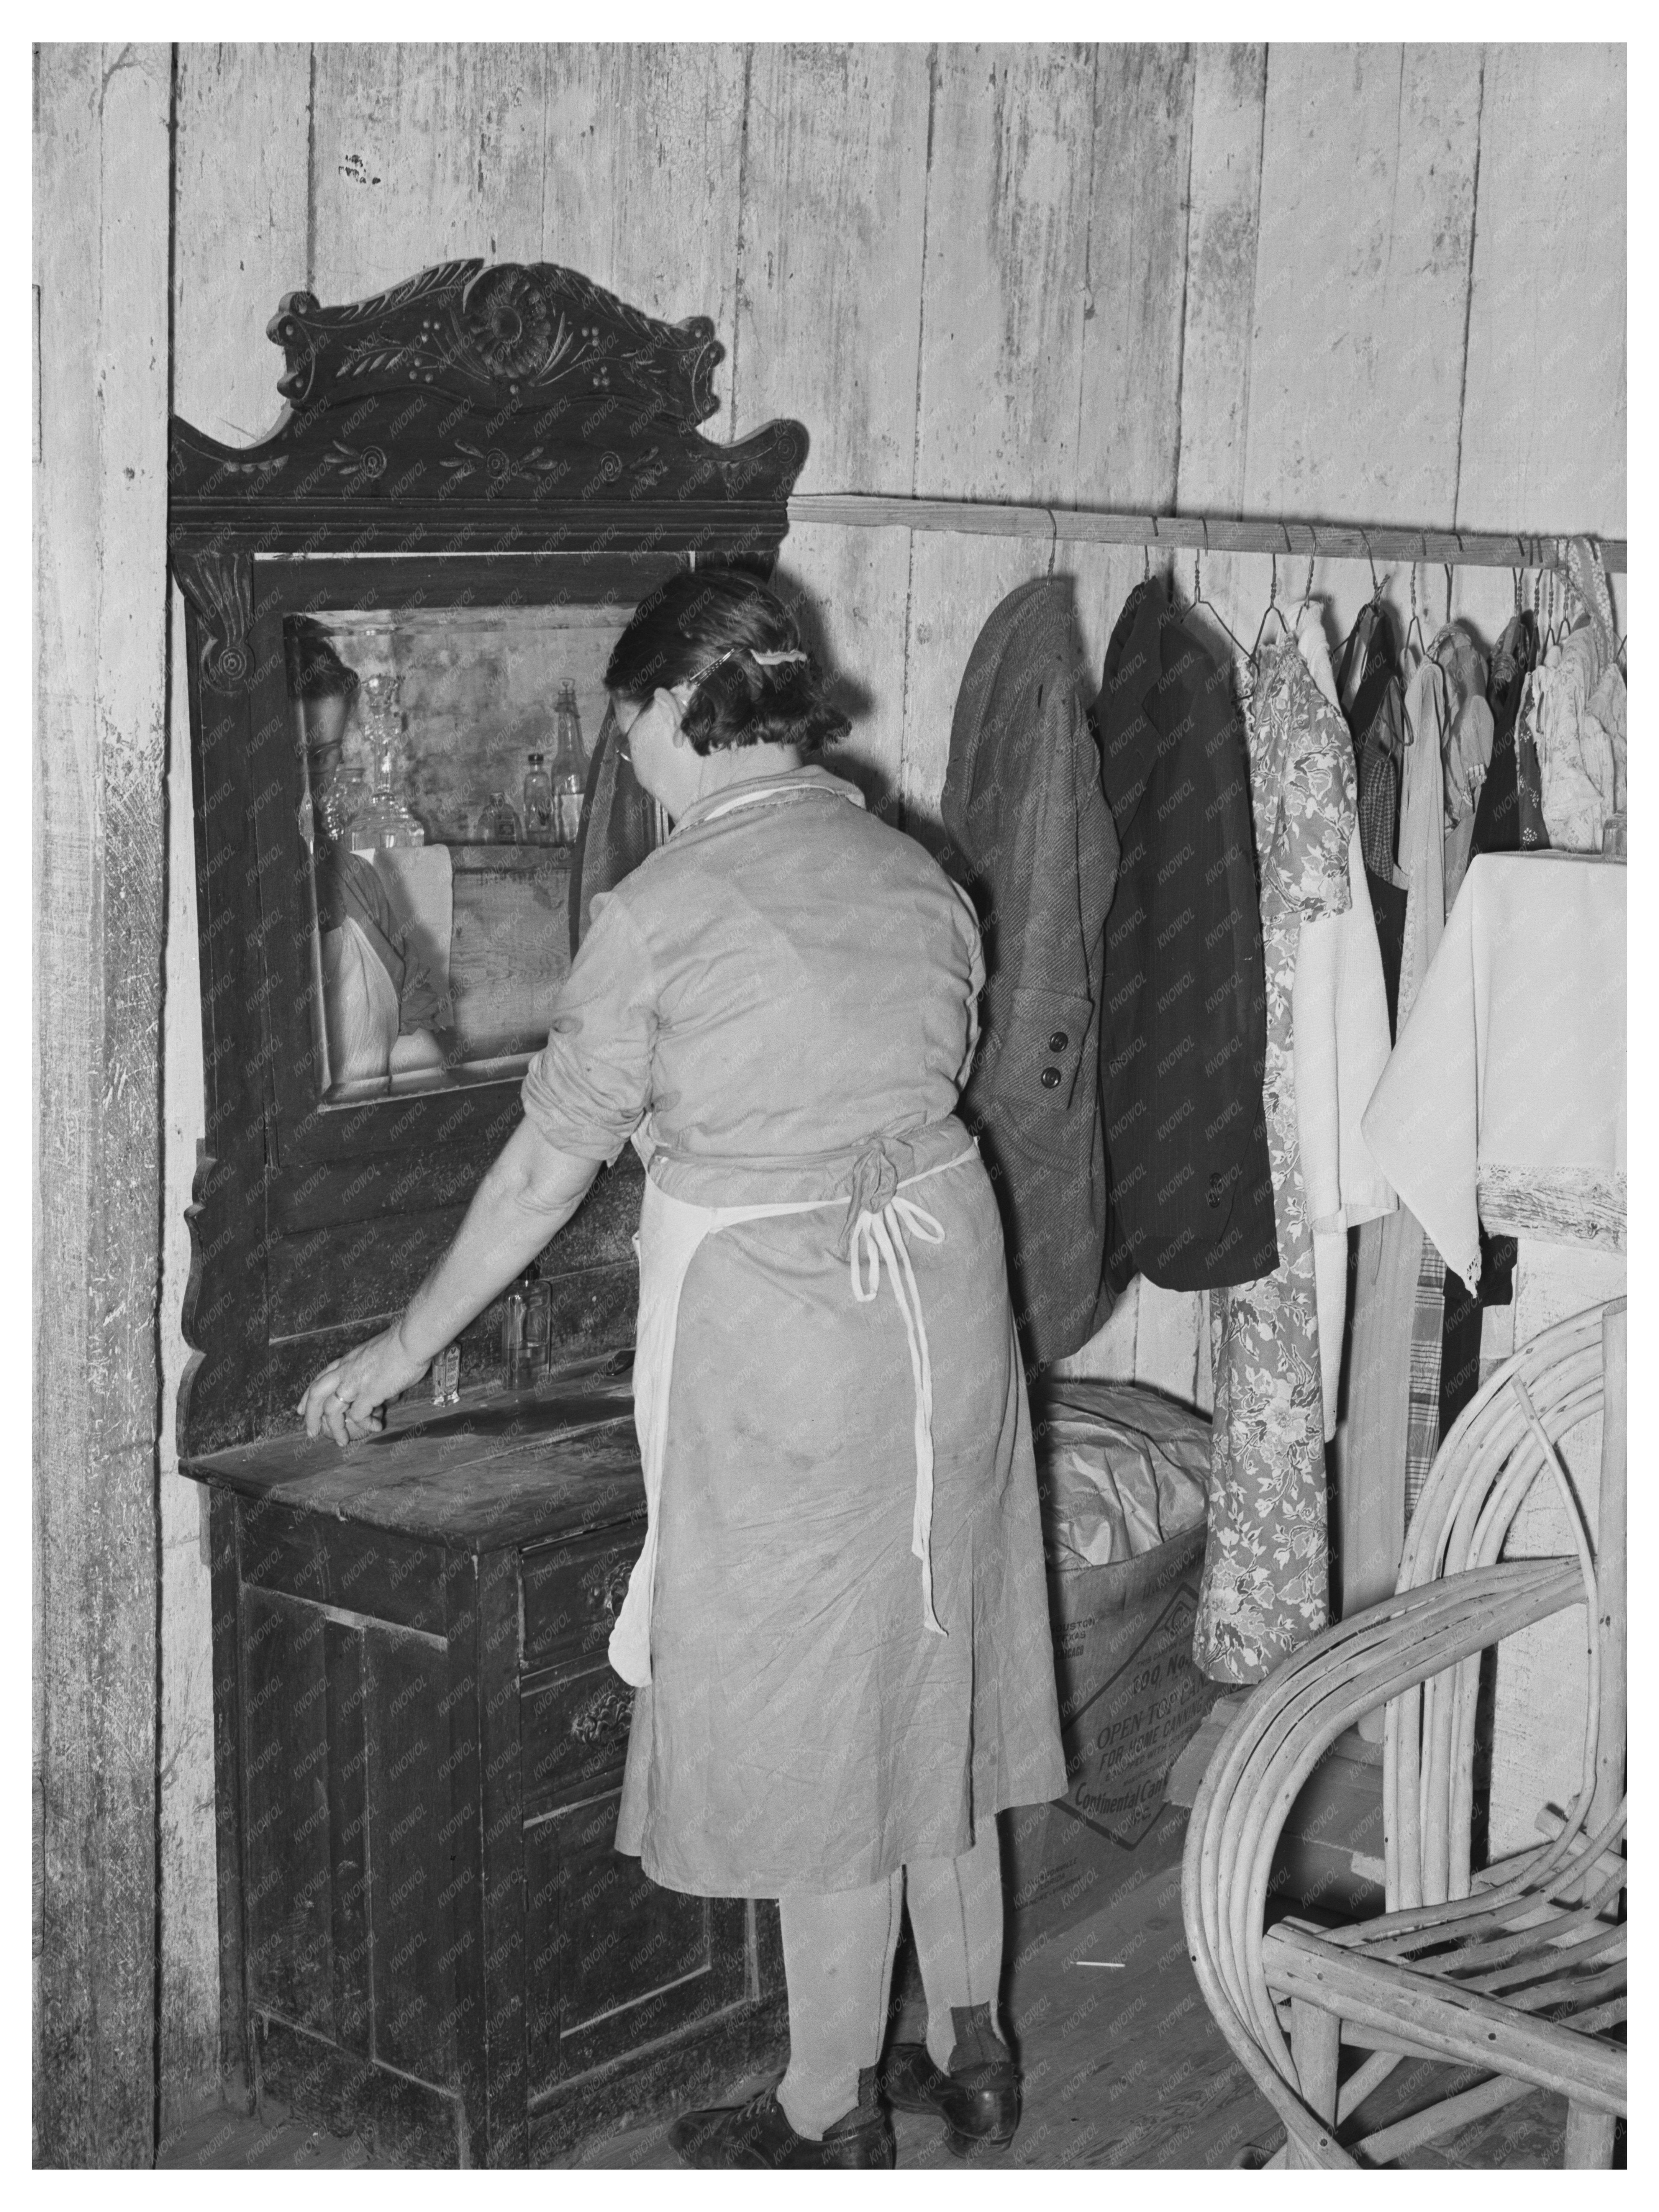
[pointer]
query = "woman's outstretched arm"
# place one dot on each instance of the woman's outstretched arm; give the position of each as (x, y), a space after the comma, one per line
(528, 1194)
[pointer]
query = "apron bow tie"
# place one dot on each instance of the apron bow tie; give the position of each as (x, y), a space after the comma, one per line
(877, 1219)
(874, 1187)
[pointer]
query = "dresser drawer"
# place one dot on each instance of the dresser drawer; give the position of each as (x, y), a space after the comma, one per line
(572, 1593)
(574, 1736)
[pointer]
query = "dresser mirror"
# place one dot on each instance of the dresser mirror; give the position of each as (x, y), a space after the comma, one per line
(446, 757)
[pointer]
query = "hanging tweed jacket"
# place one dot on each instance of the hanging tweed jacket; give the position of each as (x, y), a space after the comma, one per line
(1035, 846)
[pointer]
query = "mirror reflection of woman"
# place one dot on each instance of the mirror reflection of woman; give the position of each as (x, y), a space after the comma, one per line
(381, 1008)
(838, 1630)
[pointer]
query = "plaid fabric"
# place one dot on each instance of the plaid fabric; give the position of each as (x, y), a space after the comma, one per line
(1378, 752)
(1422, 1414)
(1379, 808)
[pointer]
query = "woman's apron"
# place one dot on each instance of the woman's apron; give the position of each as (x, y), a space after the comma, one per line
(670, 1229)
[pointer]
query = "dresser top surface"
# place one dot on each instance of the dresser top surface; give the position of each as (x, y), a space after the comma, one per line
(511, 1469)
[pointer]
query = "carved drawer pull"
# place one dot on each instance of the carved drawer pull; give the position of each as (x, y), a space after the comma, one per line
(610, 1708)
(612, 1587)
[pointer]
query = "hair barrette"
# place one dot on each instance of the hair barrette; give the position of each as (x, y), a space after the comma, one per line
(760, 659)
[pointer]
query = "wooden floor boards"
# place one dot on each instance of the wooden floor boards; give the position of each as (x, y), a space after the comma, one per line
(1123, 2065)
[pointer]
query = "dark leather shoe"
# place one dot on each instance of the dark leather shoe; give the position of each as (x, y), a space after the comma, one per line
(980, 2103)
(759, 2133)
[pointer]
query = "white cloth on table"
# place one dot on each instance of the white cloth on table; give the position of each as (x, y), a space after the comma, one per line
(1514, 1053)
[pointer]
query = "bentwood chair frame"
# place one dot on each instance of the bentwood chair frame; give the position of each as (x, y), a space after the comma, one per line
(1517, 1969)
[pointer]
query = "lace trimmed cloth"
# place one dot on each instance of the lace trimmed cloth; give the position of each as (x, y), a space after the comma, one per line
(1508, 1082)
(1573, 1205)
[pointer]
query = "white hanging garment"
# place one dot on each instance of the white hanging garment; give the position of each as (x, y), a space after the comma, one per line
(1340, 1025)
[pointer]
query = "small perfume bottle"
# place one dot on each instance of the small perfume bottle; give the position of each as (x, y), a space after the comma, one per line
(537, 803)
(498, 824)
(567, 773)
(513, 1349)
(537, 1329)
(446, 1376)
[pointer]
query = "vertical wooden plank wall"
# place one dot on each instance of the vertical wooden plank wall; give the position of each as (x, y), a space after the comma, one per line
(100, 257)
(999, 386)
(1546, 302)
(240, 231)
(827, 332)
(1129, 416)
(1371, 282)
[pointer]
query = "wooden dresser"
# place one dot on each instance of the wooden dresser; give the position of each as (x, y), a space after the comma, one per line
(424, 1929)
(428, 1936)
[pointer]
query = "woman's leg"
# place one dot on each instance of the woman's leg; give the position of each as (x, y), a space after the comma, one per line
(838, 1963)
(955, 1909)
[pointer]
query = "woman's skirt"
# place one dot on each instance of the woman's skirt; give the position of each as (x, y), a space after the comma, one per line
(803, 1730)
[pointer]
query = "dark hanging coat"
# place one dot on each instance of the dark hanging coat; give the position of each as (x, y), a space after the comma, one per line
(1186, 1002)
(1373, 698)
(1509, 805)
(1035, 843)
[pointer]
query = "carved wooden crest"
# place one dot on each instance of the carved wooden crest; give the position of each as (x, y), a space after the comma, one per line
(471, 392)
(474, 410)
(507, 336)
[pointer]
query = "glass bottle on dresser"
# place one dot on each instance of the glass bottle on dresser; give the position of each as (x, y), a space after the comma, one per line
(498, 824)
(537, 803)
(569, 771)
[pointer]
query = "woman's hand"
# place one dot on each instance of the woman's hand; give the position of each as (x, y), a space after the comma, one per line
(346, 1398)
(528, 1193)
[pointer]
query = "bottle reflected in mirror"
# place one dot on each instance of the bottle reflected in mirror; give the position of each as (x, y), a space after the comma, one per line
(567, 773)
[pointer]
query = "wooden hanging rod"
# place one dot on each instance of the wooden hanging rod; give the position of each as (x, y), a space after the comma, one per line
(1334, 541)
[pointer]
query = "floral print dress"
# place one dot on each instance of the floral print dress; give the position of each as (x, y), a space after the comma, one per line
(1266, 1574)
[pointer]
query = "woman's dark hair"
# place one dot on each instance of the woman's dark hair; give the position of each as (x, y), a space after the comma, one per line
(706, 627)
(315, 669)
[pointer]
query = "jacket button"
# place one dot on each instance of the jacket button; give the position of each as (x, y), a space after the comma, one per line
(1050, 1078)
(1058, 1040)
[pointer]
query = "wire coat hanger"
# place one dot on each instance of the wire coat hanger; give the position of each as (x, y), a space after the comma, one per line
(1199, 600)
(1307, 589)
(1414, 628)
(1272, 608)
(1376, 586)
